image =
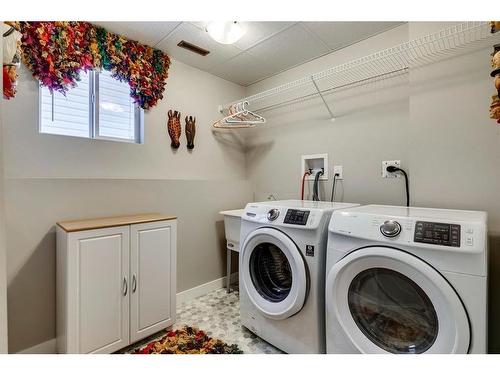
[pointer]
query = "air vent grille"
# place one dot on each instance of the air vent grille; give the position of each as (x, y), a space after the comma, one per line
(193, 48)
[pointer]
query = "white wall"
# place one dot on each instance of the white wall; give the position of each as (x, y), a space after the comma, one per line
(371, 124)
(435, 120)
(50, 178)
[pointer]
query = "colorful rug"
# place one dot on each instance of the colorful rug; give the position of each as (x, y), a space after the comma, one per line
(188, 340)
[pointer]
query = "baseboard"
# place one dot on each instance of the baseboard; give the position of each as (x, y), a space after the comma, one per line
(50, 347)
(200, 290)
(47, 347)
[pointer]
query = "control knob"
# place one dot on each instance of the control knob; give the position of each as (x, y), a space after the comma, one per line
(390, 228)
(273, 214)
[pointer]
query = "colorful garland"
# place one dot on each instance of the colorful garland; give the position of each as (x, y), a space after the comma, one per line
(56, 52)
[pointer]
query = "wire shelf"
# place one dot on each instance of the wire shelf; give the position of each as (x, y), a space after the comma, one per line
(460, 39)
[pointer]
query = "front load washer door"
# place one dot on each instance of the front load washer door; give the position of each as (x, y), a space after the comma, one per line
(388, 301)
(273, 273)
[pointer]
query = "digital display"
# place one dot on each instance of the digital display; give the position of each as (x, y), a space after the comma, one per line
(296, 217)
(437, 233)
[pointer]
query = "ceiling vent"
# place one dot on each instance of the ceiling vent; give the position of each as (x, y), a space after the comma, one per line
(193, 48)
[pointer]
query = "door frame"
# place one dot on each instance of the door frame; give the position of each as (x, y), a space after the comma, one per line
(295, 300)
(453, 335)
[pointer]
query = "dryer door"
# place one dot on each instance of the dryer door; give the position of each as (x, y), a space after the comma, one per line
(388, 301)
(273, 273)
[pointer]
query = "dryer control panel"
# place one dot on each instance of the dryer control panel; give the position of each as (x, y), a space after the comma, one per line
(437, 233)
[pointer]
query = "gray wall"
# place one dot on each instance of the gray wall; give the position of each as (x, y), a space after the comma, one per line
(50, 178)
(3, 255)
(435, 120)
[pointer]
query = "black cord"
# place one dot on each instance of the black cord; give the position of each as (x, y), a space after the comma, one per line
(315, 186)
(333, 186)
(392, 169)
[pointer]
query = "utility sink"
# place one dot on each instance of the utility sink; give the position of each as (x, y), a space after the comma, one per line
(232, 225)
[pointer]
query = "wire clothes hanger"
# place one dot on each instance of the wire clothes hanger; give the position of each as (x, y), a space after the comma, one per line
(239, 117)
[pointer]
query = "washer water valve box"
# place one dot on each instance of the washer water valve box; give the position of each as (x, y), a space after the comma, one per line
(315, 163)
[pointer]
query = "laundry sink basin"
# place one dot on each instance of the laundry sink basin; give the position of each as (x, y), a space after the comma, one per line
(232, 225)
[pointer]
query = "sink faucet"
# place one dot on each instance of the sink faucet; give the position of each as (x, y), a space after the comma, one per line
(271, 197)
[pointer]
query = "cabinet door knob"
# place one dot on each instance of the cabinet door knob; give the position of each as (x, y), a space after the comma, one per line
(134, 284)
(125, 286)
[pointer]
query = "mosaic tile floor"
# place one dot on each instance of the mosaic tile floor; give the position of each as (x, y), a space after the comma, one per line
(218, 314)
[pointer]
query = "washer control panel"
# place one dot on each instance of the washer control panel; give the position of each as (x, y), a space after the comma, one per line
(437, 233)
(296, 217)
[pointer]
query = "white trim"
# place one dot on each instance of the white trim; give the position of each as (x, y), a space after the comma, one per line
(46, 347)
(200, 290)
(50, 347)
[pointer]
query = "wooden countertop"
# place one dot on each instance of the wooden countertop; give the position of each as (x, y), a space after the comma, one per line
(114, 221)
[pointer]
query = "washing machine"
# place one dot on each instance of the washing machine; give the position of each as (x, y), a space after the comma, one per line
(282, 272)
(406, 280)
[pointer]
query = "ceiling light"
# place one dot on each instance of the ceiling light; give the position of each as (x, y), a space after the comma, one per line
(225, 32)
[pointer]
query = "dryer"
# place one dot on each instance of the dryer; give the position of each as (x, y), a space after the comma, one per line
(282, 272)
(406, 280)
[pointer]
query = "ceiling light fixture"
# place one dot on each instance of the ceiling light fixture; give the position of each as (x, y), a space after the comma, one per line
(225, 32)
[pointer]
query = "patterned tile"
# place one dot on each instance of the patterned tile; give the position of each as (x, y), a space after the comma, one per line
(218, 314)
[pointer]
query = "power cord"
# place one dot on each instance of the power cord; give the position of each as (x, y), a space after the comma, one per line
(316, 185)
(333, 186)
(393, 169)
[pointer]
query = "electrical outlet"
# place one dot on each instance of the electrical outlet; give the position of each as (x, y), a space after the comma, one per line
(337, 169)
(387, 163)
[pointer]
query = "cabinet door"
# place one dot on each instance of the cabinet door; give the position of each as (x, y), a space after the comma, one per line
(153, 277)
(99, 281)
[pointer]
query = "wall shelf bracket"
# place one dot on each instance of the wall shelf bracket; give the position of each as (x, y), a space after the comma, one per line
(332, 117)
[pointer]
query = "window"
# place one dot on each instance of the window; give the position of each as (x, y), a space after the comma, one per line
(100, 107)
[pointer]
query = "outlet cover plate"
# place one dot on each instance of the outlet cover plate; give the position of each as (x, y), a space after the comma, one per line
(338, 169)
(387, 163)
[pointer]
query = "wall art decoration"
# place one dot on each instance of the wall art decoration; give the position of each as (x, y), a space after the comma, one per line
(11, 41)
(174, 128)
(56, 53)
(495, 101)
(190, 131)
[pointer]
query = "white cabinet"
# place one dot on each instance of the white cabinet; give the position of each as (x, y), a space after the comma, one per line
(115, 281)
(152, 299)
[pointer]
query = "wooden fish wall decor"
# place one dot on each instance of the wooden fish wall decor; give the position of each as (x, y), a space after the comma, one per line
(174, 128)
(190, 131)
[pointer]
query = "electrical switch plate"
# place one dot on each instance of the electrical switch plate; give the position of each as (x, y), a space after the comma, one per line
(337, 169)
(387, 163)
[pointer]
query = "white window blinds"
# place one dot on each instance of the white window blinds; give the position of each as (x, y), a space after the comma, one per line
(116, 117)
(66, 115)
(99, 107)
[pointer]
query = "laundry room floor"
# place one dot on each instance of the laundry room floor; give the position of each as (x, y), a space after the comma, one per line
(218, 314)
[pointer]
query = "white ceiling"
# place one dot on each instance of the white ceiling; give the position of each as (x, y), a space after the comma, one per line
(267, 48)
